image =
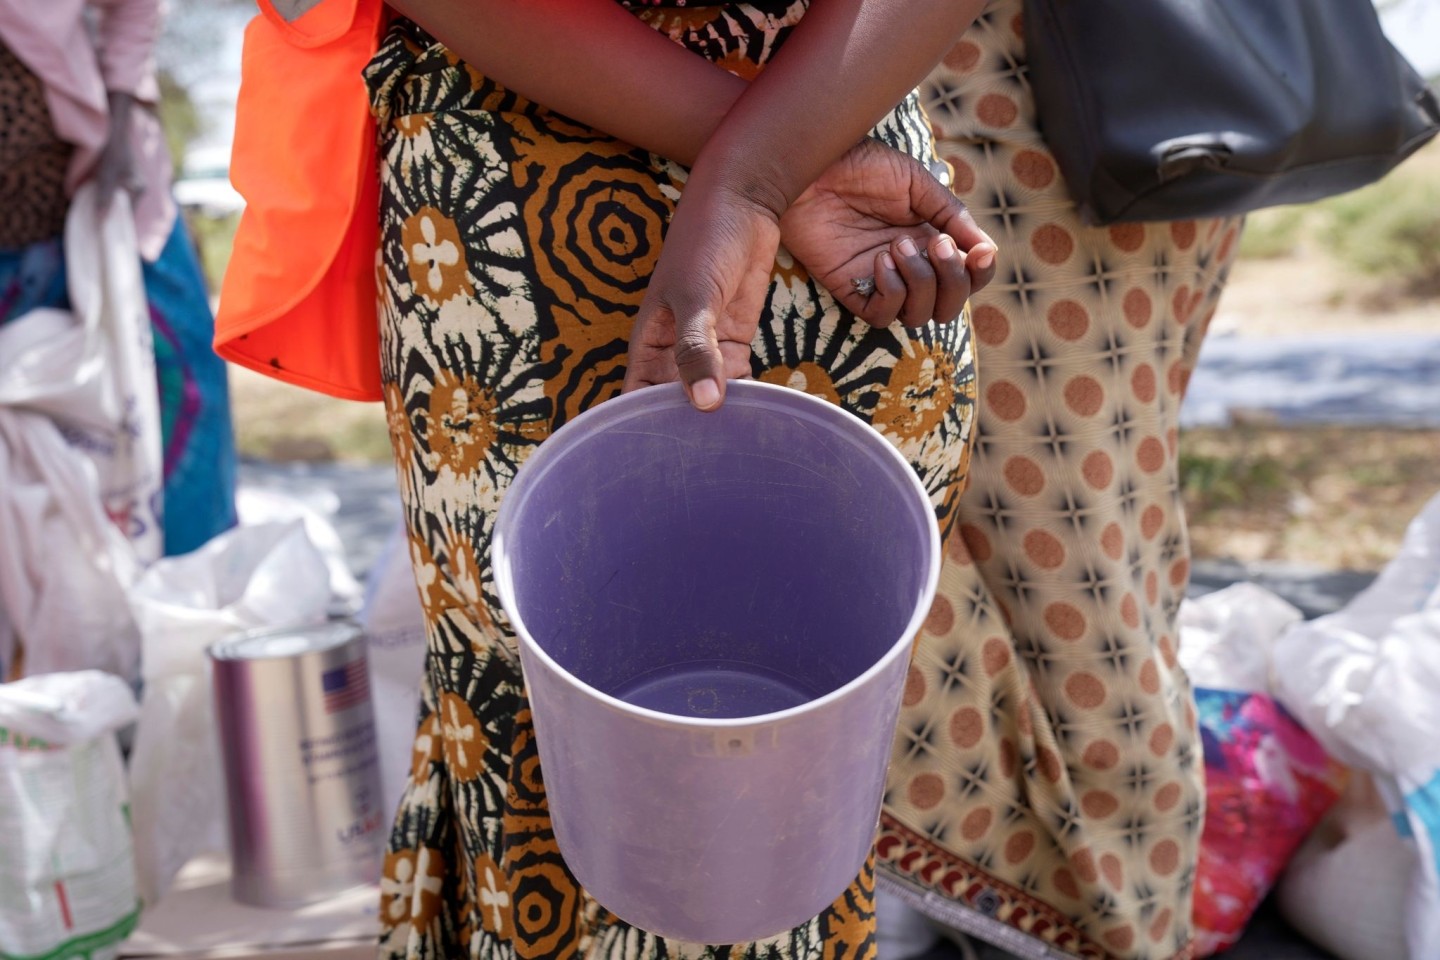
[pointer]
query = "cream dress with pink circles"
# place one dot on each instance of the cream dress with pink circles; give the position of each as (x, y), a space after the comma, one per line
(1047, 785)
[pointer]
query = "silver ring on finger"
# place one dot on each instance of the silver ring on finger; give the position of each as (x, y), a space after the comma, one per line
(865, 286)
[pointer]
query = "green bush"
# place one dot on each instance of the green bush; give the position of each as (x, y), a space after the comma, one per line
(1390, 229)
(213, 239)
(1211, 481)
(1272, 234)
(179, 117)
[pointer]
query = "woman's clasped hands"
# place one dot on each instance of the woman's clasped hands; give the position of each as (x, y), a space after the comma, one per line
(886, 238)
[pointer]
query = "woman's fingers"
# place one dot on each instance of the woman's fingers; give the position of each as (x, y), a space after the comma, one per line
(698, 360)
(981, 253)
(931, 283)
(980, 264)
(952, 280)
(944, 211)
(919, 308)
(649, 361)
(939, 207)
(669, 344)
(887, 298)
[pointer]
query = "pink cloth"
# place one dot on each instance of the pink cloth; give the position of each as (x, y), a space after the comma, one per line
(52, 38)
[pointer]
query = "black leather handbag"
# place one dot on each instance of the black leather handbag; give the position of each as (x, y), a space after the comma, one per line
(1172, 109)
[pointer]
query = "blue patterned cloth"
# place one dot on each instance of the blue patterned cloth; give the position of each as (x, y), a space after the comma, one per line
(32, 277)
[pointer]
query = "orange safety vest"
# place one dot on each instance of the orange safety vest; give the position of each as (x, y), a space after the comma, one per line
(299, 296)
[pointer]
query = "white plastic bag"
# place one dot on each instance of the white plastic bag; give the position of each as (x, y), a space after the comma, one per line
(80, 453)
(394, 625)
(64, 567)
(67, 878)
(256, 505)
(268, 575)
(1366, 681)
(98, 382)
(1227, 637)
(1345, 887)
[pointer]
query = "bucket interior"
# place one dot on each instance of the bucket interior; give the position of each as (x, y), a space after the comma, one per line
(717, 565)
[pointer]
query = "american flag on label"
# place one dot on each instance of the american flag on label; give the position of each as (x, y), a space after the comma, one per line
(346, 686)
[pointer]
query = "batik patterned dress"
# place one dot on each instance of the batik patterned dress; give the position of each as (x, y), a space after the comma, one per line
(516, 246)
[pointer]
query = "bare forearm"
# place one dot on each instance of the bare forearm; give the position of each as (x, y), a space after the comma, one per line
(121, 105)
(590, 60)
(845, 66)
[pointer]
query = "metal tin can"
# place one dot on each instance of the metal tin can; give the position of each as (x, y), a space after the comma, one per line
(297, 737)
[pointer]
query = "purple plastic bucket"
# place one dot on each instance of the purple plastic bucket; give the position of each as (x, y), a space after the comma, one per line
(715, 614)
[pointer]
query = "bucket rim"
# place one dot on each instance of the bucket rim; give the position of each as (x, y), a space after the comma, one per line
(636, 403)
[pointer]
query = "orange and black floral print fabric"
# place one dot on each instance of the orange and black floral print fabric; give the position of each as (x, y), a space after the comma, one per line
(516, 246)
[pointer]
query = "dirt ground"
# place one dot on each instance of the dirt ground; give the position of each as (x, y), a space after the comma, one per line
(1331, 496)
(1335, 497)
(1308, 294)
(275, 421)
